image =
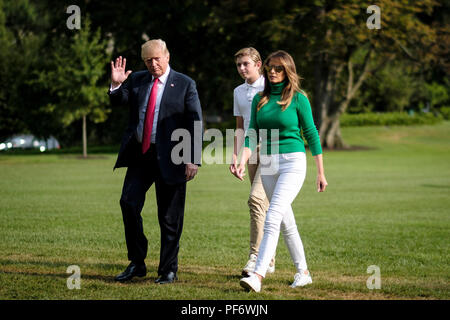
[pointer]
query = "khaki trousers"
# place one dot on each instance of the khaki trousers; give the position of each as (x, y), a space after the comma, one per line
(258, 205)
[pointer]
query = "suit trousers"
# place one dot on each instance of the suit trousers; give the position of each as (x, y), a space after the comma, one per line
(170, 200)
(282, 186)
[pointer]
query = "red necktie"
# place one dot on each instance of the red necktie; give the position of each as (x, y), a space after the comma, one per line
(149, 115)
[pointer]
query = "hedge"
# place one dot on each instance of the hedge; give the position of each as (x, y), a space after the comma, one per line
(369, 119)
(388, 119)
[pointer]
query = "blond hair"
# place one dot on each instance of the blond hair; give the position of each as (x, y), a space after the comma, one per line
(249, 52)
(152, 44)
(292, 80)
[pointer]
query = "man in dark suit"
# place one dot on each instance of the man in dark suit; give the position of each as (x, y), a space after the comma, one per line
(161, 102)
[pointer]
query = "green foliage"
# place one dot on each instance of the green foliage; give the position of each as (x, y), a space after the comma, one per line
(202, 37)
(222, 126)
(393, 88)
(388, 119)
(20, 40)
(438, 94)
(74, 75)
(445, 112)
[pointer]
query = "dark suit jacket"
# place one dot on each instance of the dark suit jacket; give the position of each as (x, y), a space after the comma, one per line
(179, 109)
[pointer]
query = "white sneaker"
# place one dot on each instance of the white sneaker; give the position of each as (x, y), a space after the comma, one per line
(271, 268)
(251, 283)
(301, 279)
(250, 266)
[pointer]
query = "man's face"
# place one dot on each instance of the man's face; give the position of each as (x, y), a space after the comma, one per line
(247, 68)
(156, 61)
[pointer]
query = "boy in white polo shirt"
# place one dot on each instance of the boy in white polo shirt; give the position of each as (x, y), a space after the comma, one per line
(248, 63)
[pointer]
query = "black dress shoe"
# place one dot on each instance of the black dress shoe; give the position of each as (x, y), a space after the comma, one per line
(133, 270)
(167, 278)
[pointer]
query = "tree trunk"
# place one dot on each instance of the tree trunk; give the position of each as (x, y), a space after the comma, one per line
(84, 138)
(325, 111)
(330, 133)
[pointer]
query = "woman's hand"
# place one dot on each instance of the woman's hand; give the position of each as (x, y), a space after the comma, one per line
(240, 172)
(321, 183)
(233, 166)
(240, 169)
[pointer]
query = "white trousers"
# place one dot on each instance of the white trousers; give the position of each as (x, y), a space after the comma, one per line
(282, 177)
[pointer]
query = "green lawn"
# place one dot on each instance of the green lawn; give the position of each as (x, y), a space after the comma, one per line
(387, 204)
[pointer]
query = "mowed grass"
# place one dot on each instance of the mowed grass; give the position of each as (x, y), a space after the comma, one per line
(387, 204)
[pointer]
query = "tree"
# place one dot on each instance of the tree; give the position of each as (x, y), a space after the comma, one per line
(395, 87)
(345, 52)
(21, 38)
(333, 46)
(334, 50)
(74, 79)
(8, 123)
(329, 40)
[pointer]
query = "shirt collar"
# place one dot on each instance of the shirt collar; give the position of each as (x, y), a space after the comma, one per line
(257, 83)
(163, 78)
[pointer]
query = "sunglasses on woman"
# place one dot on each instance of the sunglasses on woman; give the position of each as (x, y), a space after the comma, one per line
(278, 69)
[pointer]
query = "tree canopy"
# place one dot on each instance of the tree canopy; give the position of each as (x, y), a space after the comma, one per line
(346, 66)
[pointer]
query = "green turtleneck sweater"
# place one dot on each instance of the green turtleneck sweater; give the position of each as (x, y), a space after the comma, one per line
(297, 117)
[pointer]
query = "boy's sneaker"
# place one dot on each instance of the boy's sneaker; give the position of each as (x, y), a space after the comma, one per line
(251, 283)
(250, 266)
(301, 279)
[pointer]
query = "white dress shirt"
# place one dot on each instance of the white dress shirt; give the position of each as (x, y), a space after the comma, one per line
(143, 108)
(243, 97)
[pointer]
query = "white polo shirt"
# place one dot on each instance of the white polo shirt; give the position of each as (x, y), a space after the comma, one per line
(243, 97)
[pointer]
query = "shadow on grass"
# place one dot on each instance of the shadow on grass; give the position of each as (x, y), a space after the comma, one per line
(113, 269)
(107, 279)
(236, 276)
(106, 272)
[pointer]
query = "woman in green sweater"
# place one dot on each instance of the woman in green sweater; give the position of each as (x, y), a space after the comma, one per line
(283, 110)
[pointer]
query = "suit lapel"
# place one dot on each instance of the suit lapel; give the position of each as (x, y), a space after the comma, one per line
(144, 91)
(167, 88)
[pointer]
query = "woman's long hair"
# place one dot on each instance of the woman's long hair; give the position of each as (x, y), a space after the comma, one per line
(292, 80)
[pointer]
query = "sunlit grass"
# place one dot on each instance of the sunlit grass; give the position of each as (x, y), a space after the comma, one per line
(386, 205)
